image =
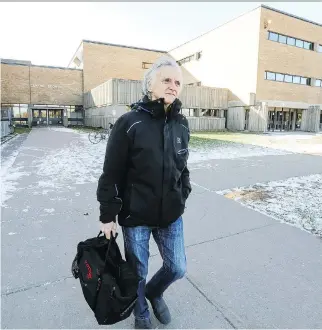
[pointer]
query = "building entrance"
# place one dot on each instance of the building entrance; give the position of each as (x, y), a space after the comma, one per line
(284, 119)
(44, 117)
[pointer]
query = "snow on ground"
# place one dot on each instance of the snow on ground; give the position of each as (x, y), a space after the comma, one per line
(78, 162)
(203, 149)
(296, 201)
(9, 176)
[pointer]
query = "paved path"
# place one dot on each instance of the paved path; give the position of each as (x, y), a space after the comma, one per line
(245, 270)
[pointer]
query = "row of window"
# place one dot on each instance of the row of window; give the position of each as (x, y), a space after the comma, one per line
(287, 40)
(190, 58)
(293, 79)
(21, 110)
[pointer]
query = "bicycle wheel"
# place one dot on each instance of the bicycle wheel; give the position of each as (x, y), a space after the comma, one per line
(107, 133)
(95, 137)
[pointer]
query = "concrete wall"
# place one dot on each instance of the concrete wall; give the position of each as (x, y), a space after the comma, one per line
(5, 129)
(229, 56)
(102, 62)
(311, 119)
(101, 117)
(258, 118)
(281, 58)
(41, 85)
(126, 92)
(235, 116)
(197, 124)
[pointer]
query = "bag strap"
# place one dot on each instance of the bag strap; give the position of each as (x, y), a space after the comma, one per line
(111, 240)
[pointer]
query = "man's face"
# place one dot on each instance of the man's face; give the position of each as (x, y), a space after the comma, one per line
(167, 84)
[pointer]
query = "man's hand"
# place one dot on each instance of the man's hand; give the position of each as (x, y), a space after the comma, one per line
(108, 228)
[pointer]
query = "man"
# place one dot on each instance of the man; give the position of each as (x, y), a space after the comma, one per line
(146, 182)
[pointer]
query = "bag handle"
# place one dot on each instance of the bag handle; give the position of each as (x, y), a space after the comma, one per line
(113, 238)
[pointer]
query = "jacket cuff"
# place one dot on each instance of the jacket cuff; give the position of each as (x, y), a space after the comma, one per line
(186, 192)
(107, 218)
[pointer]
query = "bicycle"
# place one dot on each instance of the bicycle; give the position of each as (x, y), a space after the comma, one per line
(103, 134)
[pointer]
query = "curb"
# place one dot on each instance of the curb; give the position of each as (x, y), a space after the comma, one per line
(8, 138)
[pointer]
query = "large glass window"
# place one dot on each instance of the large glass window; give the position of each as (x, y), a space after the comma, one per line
(291, 41)
(273, 36)
(308, 45)
(270, 75)
(16, 111)
(23, 110)
(288, 78)
(283, 39)
(279, 77)
(305, 81)
(299, 43)
(318, 82)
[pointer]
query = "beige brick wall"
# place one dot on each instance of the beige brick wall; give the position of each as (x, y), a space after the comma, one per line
(46, 86)
(15, 84)
(56, 86)
(277, 57)
(103, 62)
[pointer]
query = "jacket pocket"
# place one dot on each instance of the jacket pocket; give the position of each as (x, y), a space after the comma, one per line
(143, 202)
(182, 158)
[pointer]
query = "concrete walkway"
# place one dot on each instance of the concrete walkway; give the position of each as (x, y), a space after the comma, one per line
(245, 270)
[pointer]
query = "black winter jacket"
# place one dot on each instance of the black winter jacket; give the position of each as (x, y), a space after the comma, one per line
(145, 178)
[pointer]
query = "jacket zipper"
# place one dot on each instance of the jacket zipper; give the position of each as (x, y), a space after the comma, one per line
(164, 129)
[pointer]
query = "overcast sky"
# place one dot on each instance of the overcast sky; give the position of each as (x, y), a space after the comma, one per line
(50, 33)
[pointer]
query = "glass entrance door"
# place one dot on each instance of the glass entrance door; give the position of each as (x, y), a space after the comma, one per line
(39, 117)
(55, 117)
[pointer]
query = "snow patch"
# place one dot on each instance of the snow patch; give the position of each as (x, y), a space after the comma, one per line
(49, 210)
(296, 201)
(230, 151)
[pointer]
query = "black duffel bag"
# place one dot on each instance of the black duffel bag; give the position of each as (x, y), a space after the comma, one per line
(109, 284)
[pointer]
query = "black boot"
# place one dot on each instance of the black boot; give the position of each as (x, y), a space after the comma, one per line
(143, 324)
(160, 309)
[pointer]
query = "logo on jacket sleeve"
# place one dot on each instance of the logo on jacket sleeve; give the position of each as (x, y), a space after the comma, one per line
(178, 140)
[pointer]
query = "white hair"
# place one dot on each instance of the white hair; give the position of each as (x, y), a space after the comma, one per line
(150, 74)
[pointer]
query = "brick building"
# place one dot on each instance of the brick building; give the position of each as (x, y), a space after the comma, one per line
(262, 57)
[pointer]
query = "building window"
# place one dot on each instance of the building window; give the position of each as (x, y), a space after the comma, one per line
(296, 80)
(146, 65)
(288, 78)
(283, 39)
(318, 82)
(281, 77)
(190, 58)
(270, 75)
(186, 59)
(299, 43)
(272, 36)
(319, 48)
(291, 41)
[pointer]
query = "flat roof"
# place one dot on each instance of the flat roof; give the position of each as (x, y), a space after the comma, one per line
(290, 15)
(261, 6)
(28, 63)
(123, 46)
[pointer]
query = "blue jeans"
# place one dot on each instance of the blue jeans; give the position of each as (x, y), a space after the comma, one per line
(171, 246)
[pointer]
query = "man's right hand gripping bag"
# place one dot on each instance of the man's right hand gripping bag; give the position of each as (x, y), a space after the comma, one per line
(109, 284)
